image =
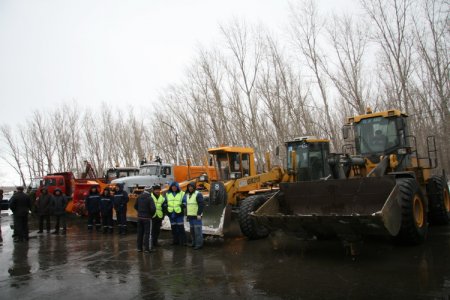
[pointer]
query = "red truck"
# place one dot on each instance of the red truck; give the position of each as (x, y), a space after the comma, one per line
(78, 189)
(75, 189)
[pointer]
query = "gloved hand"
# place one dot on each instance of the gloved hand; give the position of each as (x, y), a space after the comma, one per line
(199, 217)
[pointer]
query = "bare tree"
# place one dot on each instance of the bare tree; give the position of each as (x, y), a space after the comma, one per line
(306, 28)
(13, 151)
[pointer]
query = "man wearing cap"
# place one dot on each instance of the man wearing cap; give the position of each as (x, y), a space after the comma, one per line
(158, 199)
(193, 201)
(20, 204)
(120, 201)
(43, 209)
(145, 209)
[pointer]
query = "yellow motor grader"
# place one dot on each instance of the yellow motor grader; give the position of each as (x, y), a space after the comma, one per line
(238, 180)
(383, 186)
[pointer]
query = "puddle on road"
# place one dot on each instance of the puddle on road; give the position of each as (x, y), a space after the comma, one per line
(273, 268)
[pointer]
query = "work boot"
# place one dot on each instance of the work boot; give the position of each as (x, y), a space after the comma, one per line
(55, 232)
(63, 232)
(198, 237)
(40, 231)
(192, 236)
(175, 240)
(182, 235)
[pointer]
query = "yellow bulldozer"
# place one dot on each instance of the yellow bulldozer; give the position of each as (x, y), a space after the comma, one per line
(379, 185)
(239, 190)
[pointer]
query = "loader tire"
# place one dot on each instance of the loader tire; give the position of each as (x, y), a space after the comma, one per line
(217, 194)
(414, 225)
(249, 227)
(439, 201)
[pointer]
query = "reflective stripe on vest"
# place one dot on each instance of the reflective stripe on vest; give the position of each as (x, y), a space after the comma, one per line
(174, 202)
(192, 205)
(158, 203)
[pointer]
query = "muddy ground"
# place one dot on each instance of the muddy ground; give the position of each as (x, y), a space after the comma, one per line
(81, 265)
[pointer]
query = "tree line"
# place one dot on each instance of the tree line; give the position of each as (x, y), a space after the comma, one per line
(258, 89)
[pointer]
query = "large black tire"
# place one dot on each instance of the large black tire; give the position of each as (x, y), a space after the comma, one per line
(217, 194)
(414, 226)
(249, 227)
(439, 201)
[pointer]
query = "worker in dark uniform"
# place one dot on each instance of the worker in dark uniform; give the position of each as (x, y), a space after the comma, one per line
(92, 204)
(193, 201)
(58, 208)
(173, 205)
(20, 205)
(43, 205)
(145, 210)
(106, 207)
(1, 198)
(120, 205)
(158, 217)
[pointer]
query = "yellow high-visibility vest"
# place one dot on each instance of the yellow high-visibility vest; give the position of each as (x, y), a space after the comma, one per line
(174, 202)
(158, 203)
(192, 205)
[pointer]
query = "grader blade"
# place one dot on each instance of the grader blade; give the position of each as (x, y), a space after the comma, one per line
(350, 207)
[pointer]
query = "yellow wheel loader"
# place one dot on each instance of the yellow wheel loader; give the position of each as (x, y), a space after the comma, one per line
(238, 180)
(383, 186)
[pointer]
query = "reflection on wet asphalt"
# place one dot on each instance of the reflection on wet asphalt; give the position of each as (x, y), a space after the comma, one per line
(96, 266)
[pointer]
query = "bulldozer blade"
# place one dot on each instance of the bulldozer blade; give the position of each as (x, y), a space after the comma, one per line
(348, 208)
(216, 220)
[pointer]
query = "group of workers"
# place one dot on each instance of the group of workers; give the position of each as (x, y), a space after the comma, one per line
(100, 209)
(46, 205)
(151, 207)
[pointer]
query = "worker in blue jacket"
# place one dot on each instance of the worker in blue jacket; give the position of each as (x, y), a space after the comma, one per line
(106, 209)
(120, 205)
(92, 204)
(174, 208)
(193, 201)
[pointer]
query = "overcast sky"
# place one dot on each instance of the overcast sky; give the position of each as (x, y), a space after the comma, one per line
(114, 51)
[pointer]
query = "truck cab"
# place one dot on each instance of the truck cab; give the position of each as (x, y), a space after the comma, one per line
(149, 174)
(62, 181)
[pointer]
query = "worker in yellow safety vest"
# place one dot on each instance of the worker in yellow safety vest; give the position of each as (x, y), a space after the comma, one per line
(158, 199)
(173, 205)
(193, 201)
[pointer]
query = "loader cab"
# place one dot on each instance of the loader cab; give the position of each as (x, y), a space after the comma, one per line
(310, 159)
(233, 162)
(377, 134)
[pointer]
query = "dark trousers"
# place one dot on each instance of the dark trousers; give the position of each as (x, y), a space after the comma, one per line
(60, 220)
(94, 217)
(21, 227)
(107, 221)
(47, 222)
(156, 229)
(144, 227)
(122, 220)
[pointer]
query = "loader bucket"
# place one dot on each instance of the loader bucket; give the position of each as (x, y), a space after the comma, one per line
(345, 207)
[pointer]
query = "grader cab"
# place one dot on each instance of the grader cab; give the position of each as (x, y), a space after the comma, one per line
(382, 187)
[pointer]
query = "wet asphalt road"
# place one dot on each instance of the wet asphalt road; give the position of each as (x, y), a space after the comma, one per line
(96, 266)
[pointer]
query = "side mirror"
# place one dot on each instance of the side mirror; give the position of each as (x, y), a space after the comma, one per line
(400, 122)
(277, 151)
(346, 132)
